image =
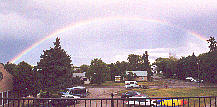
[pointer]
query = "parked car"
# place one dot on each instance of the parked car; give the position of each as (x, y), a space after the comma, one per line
(191, 79)
(130, 94)
(143, 86)
(78, 91)
(131, 84)
(64, 101)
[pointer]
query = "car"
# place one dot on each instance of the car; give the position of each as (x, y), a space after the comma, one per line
(130, 94)
(78, 91)
(64, 101)
(140, 100)
(144, 86)
(131, 84)
(191, 79)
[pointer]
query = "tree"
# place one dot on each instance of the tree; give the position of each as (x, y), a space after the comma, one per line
(23, 79)
(112, 70)
(166, 65)
(55, 68)
(84, 68)
(212, 45)
(134, 62)
(98, 70)
(208, 66)
(145, 66)
(11, 68)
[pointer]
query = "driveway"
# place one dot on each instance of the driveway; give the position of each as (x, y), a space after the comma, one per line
(101, 92)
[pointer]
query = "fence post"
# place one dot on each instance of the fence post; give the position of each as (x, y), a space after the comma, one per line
(112, 101)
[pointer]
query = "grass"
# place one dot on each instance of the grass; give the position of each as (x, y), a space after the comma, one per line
(152, 83)
(177, 92)
(112, 83)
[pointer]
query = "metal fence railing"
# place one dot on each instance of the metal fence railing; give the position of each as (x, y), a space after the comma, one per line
(111, 102)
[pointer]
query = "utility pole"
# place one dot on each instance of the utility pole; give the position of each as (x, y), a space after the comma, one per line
(198, 68)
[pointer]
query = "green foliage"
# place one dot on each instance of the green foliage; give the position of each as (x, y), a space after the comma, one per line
(139, 63)
(208, 66)
(134, 62)
(212, 45)
(25, 78)
(188, 67)
(98, 71)
(166, 65)
(203, 67)
(55, 68)
(11, 68)
(117, 69)
(77, 81)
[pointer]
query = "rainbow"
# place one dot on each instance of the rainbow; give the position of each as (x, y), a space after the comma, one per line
(98, 20)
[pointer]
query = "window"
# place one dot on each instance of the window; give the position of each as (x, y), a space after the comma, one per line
(131, 82)
(1, 101)
(84, 79)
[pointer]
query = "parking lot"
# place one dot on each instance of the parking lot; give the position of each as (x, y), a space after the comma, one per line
(101, 92)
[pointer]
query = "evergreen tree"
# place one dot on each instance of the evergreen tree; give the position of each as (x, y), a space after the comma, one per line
(212, 46)
(55, 68)
(146, 65)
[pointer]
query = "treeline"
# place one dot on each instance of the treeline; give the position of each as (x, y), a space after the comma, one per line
(99, 71)
(202, 67)
(54, 71)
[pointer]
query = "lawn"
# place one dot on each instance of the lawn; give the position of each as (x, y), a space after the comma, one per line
(177, 92)
(112, 83)
(152, 83)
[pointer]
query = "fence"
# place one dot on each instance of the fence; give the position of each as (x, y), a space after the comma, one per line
(111, 102)
(5, 94)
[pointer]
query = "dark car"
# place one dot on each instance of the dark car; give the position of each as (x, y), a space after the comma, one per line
(130, 94)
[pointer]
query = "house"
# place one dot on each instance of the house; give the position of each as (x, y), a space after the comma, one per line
(6, 84)
(82, 76)
(141, 75)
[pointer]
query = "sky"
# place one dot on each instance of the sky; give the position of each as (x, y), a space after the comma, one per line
(106, 29)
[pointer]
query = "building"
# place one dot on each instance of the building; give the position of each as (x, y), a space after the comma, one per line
(117, 78)
(6, 84)
(82, 76)
(141, 75)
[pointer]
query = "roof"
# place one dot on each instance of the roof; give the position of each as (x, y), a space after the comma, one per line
(117, 76)
(79, 74)
(138, 73)
(78, 87)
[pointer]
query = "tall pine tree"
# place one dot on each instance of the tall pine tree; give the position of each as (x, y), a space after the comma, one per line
(55, 67)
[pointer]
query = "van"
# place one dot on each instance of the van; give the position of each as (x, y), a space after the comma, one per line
(131, 84)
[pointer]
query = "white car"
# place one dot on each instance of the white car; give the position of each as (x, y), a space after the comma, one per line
(67, 95)
(131, 84)
(140, 101)
(191, 79)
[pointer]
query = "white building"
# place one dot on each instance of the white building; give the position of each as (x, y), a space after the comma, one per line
(141, 75)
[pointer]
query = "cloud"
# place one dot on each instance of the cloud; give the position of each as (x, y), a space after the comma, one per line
(16, 26)
(31, 20)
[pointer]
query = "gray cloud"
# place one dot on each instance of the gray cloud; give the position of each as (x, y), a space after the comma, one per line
(27, 21)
